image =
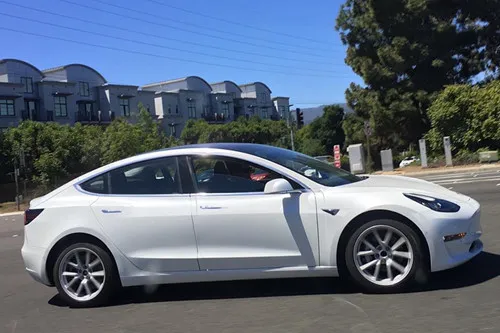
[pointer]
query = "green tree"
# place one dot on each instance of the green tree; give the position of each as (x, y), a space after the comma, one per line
(6, 158)
(121, 139)
(405, 51)
(52, 151)
(193, 130)
(319, 137)
(327, 129)
(153, 137)
(470, 115)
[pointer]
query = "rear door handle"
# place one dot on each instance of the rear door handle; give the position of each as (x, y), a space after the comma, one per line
(210, 207)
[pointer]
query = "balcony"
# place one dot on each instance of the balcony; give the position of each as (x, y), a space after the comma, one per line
(26, 115)
(94, 117)
(215, 118)
(87, 117)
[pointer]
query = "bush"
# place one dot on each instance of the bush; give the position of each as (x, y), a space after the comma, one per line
(469, 115)
(465, 157)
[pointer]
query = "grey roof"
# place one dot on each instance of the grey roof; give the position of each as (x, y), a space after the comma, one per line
(60, 68)
(227, 81)
(176, 80)
(22, 62)
(254, 83)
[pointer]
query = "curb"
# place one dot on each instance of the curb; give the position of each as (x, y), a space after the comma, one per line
(11, 214)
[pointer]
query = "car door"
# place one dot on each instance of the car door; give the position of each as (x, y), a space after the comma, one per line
(147, 215)
(239, 227)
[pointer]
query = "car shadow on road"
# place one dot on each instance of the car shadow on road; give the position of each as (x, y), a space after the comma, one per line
(484, 267)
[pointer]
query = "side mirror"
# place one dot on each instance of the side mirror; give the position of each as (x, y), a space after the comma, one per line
(279, 185)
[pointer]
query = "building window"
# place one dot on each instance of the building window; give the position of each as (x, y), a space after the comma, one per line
(169, 109)
(177, 109)
(84, 89)
(225, 109)
(262, 97)
(60, 106)
(191, 110)
(172, 129)
(28, 84)
(282, 111)
(125, 107)
(7, 107)
(264, 113)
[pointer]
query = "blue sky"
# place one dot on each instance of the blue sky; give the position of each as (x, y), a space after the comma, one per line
(309, 69)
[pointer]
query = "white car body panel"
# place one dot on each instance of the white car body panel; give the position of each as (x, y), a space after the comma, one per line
(182, 238)
(253, 230)
(162, 227)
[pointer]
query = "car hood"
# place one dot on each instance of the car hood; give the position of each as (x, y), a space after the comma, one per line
(380, 183)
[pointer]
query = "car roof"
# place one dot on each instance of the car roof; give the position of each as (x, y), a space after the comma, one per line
(219, 145)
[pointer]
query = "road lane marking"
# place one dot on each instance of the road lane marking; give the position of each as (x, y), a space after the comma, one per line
(464, 181)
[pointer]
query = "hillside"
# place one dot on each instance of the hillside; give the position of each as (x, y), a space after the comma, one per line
(312, 113)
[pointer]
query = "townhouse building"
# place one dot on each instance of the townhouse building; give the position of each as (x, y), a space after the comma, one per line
(78, 93)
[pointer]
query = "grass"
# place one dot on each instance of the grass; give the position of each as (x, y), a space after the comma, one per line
(10, 207)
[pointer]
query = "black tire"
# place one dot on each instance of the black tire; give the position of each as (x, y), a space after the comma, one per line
(418, 270)
(110, 277)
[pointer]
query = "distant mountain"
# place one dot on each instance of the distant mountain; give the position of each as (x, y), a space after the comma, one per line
(312, 113)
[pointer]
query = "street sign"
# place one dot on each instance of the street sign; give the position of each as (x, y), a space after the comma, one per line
(336, 156)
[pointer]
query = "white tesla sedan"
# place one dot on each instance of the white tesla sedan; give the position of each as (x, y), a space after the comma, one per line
(241, 211)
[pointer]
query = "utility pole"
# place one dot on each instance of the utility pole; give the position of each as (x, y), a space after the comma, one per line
(368, 133)
(290, 124)
(16, 177)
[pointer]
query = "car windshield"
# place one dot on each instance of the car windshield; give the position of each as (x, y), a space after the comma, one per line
(307, 166)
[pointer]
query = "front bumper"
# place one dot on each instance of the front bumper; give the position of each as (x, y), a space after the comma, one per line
(446, 253)
(34, 261)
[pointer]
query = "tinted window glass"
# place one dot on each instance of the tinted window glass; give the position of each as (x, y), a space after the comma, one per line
(153, 177)
(96, 185)
(307, 166)
(215, 174)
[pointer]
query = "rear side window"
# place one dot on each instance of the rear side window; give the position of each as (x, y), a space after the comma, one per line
(160, 176)
(96, 185)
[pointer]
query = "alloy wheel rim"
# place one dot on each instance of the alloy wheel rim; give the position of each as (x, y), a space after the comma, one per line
(383, 255)
(82, 274)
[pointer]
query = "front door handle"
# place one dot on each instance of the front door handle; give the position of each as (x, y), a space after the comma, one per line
(105, 211)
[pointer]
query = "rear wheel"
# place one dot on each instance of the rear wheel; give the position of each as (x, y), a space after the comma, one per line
(385, 256)
(84, 275)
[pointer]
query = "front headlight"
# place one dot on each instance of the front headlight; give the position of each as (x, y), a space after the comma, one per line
(438, 205)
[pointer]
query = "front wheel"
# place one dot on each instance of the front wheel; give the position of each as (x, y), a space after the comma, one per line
(84, 275)
(385, 256)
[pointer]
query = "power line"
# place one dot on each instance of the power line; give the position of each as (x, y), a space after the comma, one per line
(234, 22)
(158, 55)
(159, 45)
(192, 31)
(167, 38)
(200, 26)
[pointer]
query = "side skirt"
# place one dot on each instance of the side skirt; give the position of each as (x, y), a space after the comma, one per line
(146, 278)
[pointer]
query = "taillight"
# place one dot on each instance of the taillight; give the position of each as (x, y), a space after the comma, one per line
(30, 215)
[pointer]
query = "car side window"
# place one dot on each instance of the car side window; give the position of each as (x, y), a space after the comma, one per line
(158, 176)
(218, 174)
(97, 185)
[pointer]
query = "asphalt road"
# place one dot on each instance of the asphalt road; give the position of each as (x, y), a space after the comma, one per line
(464, 299)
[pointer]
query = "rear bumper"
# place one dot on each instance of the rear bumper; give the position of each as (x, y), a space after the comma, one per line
(34, 262)
(451, 253)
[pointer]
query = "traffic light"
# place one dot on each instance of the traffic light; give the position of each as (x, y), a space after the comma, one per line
(300, 118)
